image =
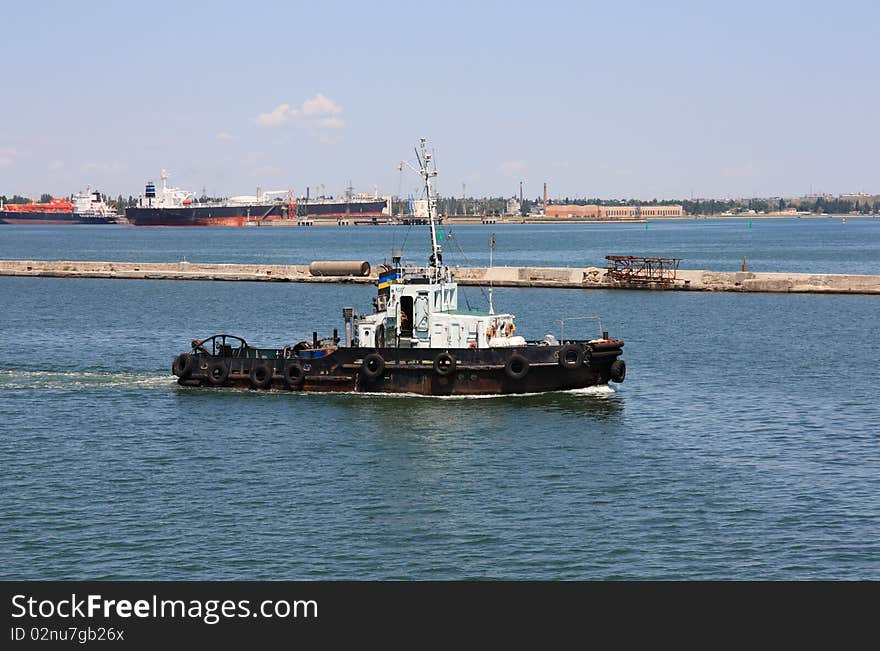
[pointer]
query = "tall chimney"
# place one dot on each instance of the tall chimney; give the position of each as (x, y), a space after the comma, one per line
(520, 193)
(545, 197)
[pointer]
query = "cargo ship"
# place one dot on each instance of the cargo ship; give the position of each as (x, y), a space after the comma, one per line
(55, 211)
(89, 208)
(168, 206)
(352, 207)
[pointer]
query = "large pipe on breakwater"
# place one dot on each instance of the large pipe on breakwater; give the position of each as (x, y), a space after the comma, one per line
(339, 268)
(550, 277)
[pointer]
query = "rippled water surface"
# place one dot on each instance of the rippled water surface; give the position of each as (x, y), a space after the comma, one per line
(811, 245)
(745, 442)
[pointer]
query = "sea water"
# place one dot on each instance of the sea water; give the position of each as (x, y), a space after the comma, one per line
(744, 443)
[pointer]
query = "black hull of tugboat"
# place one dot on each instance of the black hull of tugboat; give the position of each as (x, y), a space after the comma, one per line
(423, 371)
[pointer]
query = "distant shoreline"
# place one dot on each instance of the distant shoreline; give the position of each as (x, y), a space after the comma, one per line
(532, 221)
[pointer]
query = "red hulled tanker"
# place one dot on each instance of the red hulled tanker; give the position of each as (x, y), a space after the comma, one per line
(55, 211)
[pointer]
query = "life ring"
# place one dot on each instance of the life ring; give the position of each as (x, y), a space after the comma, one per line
(373, 366)
(571, 356)
(380, 337)
(182, 366)
(260, 375)
(294, 374)
(517, 367)
(444, 364)
(217, 372)
(618, 371)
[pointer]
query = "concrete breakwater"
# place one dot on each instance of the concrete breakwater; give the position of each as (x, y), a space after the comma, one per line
(551, 277)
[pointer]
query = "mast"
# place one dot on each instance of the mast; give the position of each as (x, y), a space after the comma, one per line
(428, 172)
(491, 252)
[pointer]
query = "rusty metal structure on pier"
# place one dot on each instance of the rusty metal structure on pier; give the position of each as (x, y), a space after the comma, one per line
(634, 269)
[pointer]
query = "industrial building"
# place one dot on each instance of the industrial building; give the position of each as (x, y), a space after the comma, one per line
(593, 211)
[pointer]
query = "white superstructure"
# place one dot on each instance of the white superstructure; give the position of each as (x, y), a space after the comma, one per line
(164, 197)
(417, 307)
(88, 206)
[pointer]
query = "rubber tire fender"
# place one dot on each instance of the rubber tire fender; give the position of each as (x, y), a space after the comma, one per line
(565, 356)
(257, 378)
(618, 371)
(183, 366)
(516, 360)
(373, 366)
(217, 372)
(444, 364)
(294, 374)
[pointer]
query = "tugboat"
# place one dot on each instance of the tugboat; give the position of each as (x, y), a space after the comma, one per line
(416, 341)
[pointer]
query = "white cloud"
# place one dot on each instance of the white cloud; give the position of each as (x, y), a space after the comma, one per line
(320, 105)
(514, 167)
(278, 115)
(224, 135)
(7, 155)
(55, 165)
(320, 111)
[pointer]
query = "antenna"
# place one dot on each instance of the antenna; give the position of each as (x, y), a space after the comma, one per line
(427, 170)
(491, 256)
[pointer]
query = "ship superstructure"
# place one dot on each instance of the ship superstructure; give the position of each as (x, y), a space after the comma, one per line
(90, 208)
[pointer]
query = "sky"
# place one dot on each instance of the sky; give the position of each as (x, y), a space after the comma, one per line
(597, 99)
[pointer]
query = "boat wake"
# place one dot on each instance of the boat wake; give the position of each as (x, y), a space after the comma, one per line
(60, 380)
(595, 391)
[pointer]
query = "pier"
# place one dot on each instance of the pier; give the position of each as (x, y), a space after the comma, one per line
(547, 277)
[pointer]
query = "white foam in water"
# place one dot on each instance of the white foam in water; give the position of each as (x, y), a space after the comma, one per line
(20, 379)
(598, 390)
(601, 391)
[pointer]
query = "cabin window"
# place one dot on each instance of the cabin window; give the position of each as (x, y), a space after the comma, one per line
(421, 313)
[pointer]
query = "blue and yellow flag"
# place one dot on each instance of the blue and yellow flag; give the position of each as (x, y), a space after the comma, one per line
(386, 279)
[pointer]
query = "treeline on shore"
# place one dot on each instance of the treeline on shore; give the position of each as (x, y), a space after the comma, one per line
(817, 205)
(814, 205)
